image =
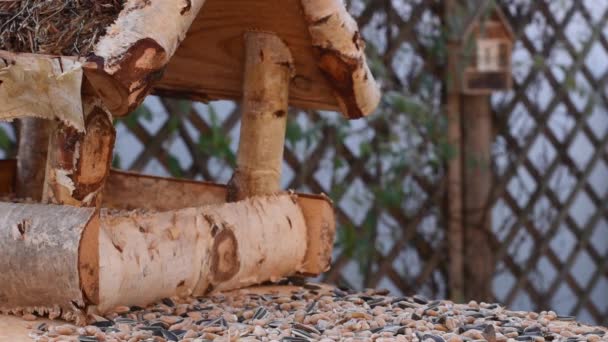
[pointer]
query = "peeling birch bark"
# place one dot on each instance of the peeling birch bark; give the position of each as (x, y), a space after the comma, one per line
(78, 163)
(31, 162)
(39, 258)
(41, 86)
(136, 49)
(145, 256)
(148, 256)
(268, 71)
(125, 190)
(341, 49)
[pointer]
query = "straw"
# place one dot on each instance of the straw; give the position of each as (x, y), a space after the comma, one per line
(56, 27)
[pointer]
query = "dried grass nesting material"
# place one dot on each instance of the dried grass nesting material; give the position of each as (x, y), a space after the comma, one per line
(57, 27)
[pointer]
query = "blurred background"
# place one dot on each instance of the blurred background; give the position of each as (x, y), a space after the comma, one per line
(546, 215)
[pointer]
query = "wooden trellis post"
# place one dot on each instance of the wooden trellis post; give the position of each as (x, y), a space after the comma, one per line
(478, 64)
(454, 207)
(33, 146)
(477, 181)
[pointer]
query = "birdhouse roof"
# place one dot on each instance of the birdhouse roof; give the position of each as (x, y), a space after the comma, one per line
(487, 9)
(195, 49)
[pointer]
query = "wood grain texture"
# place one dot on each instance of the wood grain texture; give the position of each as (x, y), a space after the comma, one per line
(8, 174)
(477, 180)
(209, 63)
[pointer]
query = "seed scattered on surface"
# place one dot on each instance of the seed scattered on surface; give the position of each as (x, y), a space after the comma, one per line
(322, 313)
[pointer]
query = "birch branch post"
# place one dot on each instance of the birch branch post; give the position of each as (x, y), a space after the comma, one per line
(78, 163)
(268, 71)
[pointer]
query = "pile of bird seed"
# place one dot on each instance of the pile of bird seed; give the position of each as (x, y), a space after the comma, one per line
(56, 27)
(321, 313)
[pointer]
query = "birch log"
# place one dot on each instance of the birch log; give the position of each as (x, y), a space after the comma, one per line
(341, 53)
(39, 258)
(78, 163)
(49, 253)
(31, 161)
(268, 71)
(136, 49)
(126, 190)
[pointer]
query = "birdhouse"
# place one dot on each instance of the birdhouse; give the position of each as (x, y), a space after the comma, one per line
(102, 238)
(486, 52)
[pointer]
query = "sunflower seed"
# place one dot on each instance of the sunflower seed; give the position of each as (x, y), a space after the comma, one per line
(420, 300)
(433, 338)
(306, 328)
(260, 313)
(311, 286)
(168, 302)
(168, 335)
(87, 339)
(103, 324)
(294, 339)
(311, 306)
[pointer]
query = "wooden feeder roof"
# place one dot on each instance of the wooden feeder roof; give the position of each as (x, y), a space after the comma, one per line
(209, 63)
(195, 49)
(488, 9)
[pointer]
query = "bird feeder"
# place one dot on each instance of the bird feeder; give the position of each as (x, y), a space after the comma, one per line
(486, 52)
(102, 237)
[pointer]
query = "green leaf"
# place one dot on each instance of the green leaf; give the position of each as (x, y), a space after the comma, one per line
(365, 149)
(174, 167)
(347, 239)
(446, 151)
(116, 162)
(5, 140)
(293, 133)
(130, 121)
(390, 196)
(142, 112)
(539, 62)
(184, 106)
(173, 123)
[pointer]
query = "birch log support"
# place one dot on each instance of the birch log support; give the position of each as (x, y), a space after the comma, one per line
(136, 49)
(31, 162)
(126, 190)
(39, 258)
(268, 71)
(341, 56)
(147, 255)
(78, 163)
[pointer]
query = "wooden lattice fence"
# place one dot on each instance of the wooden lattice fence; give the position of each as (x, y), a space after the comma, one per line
(550, 208)
(387, 175)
